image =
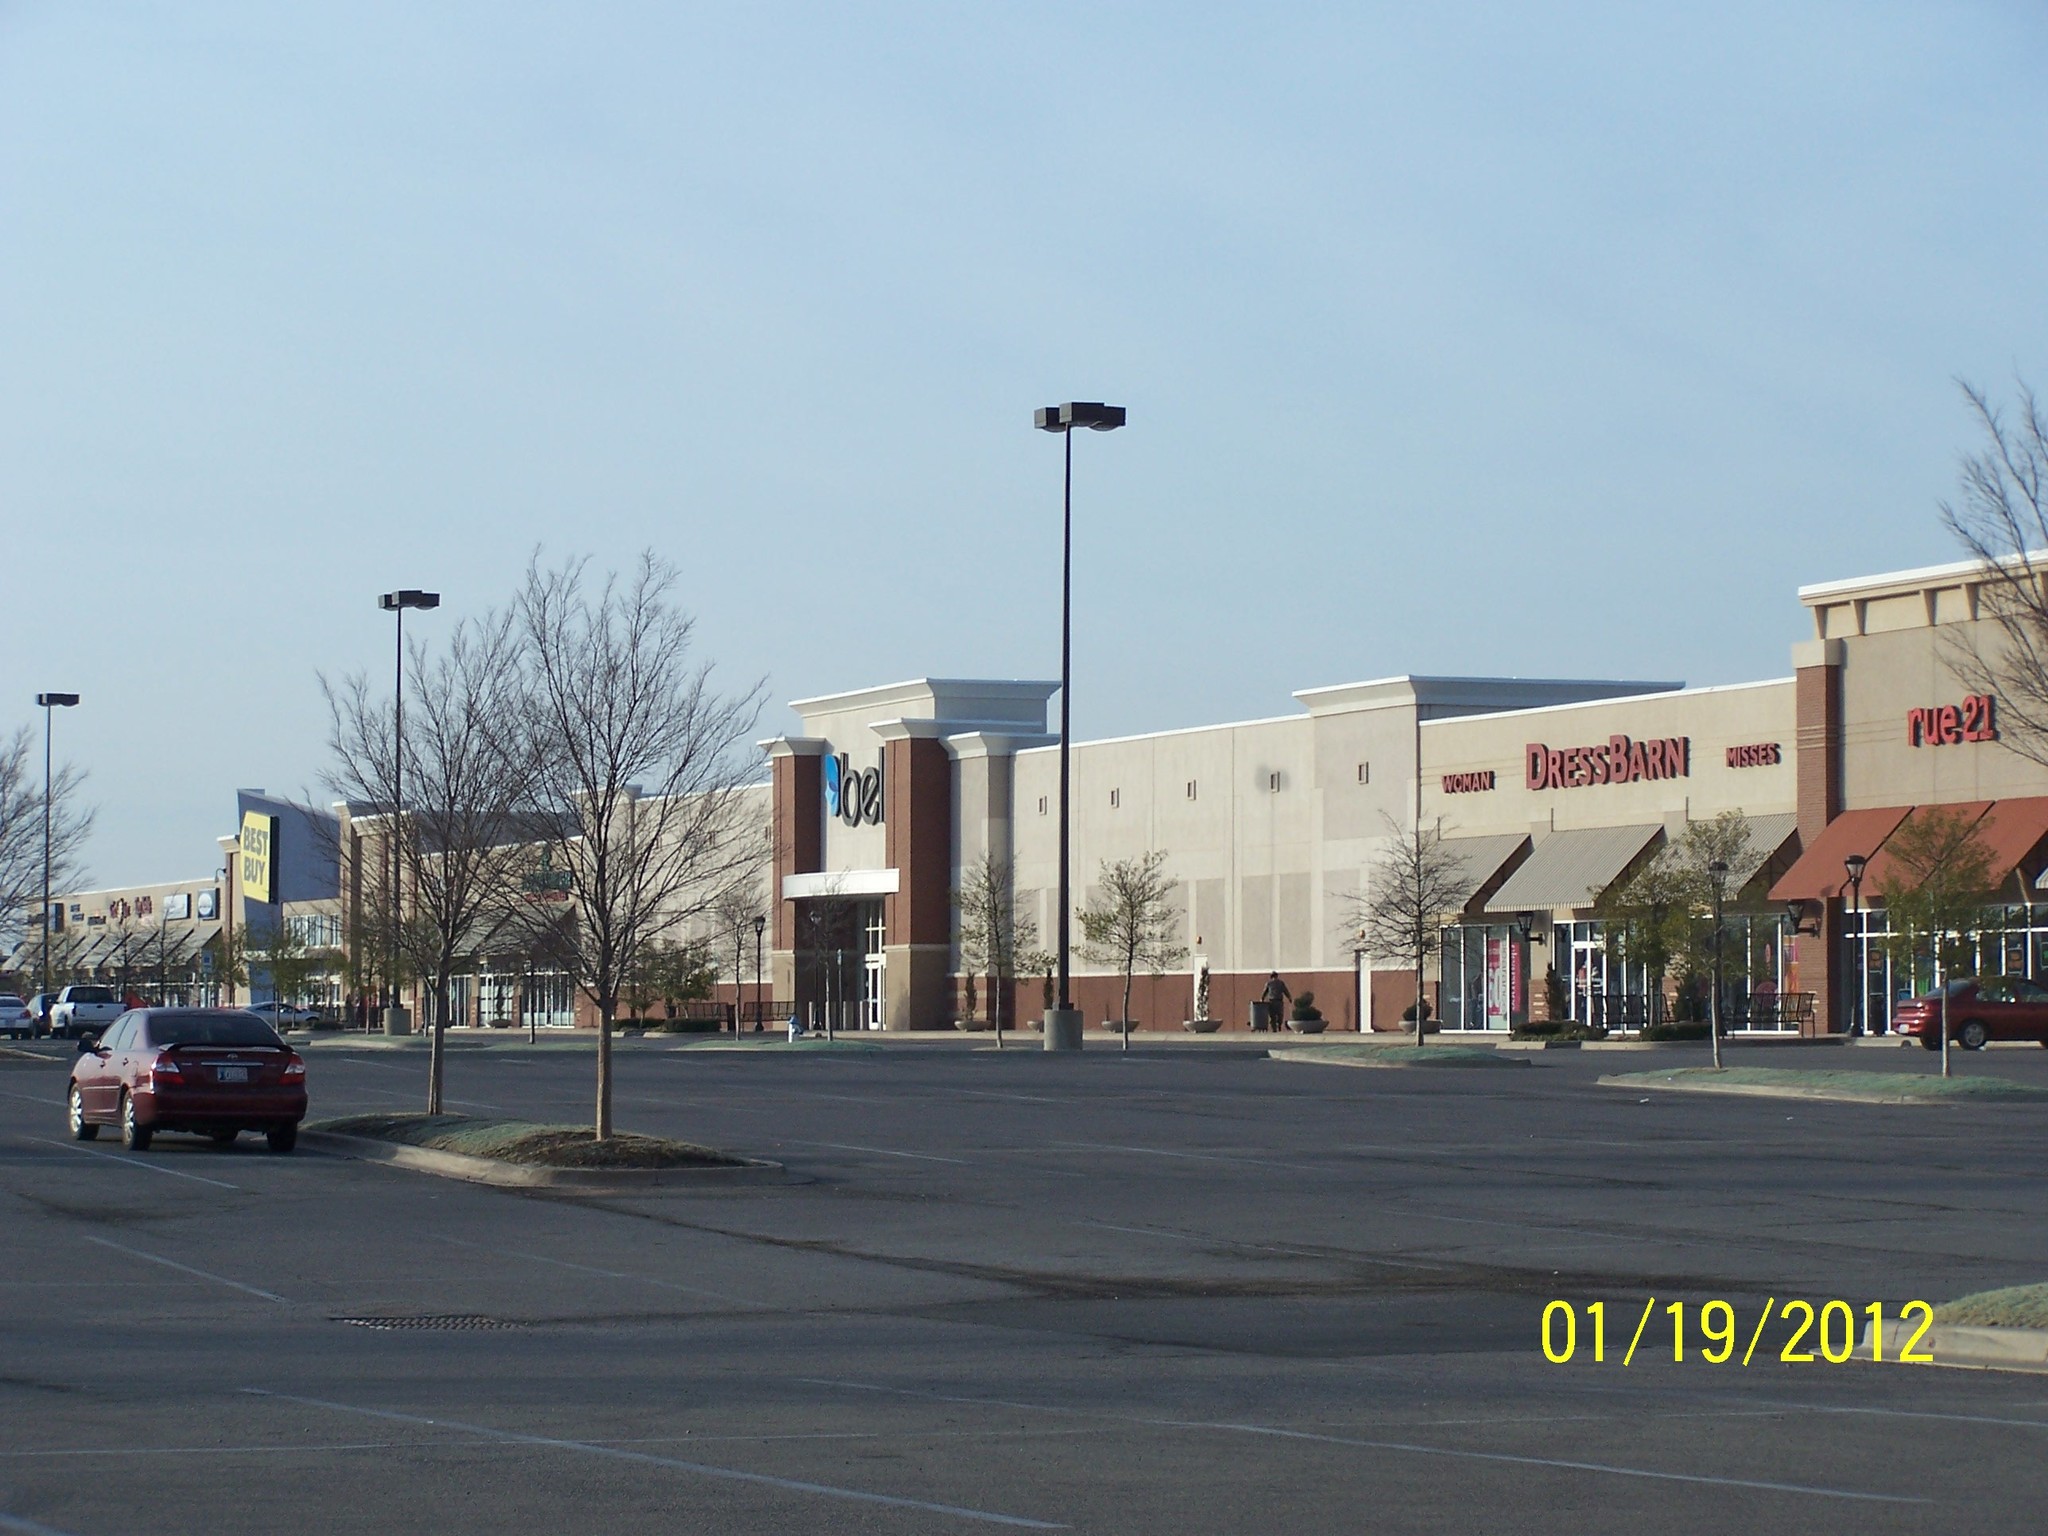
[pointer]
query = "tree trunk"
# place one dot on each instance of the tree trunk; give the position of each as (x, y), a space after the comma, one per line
(1944, 1025)
(1124, 1022)
(1418, 1002)
(604, 1072)
(995, 1008)
(436, 1060)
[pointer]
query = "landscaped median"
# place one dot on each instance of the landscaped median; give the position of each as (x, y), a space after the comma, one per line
(1992, 1330)
(1403, 1054)
(1849, 1087)
(493, 1150)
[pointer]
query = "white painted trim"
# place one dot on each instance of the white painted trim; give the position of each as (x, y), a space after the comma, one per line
(842, 882)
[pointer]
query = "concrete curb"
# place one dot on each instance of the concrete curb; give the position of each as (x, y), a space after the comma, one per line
(485, 1170)
(1838, 1095)
(1964, 1346)
(1395, 1064)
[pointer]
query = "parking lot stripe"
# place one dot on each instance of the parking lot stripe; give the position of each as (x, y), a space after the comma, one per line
(609, 1274)
(645, 1458)
(29, 1527)
(1457, 1453)
(137, 1253)
(132, 1162)
(841, 1146)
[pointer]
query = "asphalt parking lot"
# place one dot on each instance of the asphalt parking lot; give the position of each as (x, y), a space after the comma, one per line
(1170, 1292)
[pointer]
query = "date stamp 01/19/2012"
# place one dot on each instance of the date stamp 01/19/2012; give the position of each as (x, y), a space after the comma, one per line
(1709, 1331)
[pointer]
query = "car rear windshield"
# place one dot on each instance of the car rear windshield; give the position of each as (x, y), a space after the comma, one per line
(92, 994)
(211, 1029)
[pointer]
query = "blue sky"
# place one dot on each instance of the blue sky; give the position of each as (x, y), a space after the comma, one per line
(1563, 340)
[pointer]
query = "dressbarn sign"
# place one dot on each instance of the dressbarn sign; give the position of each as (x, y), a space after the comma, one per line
(1618, 760)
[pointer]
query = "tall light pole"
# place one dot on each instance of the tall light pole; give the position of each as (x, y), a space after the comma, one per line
(48, 702)
(1855, 864)
(395, 604)
(1063, 1022)
(1719, 871)
(760, 925)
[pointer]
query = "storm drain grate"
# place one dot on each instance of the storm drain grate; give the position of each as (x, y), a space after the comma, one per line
(435, 1320)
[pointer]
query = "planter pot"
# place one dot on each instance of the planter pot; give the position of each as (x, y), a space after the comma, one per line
(1308, 1026)
(1201, 1026)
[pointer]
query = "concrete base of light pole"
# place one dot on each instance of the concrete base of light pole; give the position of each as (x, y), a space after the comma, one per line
(1063, 1029)
(397, 1021)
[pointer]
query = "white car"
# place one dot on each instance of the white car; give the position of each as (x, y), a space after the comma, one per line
(16, 1021)
(285, 1015)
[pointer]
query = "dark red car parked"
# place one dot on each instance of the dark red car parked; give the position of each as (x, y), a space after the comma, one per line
(1980, 1009)
(213, 1071)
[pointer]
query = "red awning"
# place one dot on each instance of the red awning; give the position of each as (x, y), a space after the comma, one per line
(1881, 863)
(1819, 875)
(2014, 829)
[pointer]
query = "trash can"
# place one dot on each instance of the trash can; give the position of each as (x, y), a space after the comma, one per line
(1260, 1023)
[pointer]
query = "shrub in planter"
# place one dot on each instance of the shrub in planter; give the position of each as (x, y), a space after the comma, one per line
(1429, 1025)
(1306, 1018)
(1677, 1032)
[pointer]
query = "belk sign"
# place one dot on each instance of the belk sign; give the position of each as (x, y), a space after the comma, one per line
(852, 794)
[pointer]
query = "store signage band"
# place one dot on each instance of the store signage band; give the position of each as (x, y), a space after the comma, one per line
(259, 857)
(1757, 754)
(1944, 725)
(1469, 783)
(1618, 760)
(852, 794)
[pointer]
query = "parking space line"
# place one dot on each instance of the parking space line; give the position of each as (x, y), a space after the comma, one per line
(1197, 1157)
(154, 1258)
(841, 1146)
(29, 1527)
(609, 1274)
(645, 1458)
(132, 1162)
(1456, 1453)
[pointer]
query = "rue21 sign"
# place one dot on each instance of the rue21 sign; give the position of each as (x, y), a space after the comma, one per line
(852, 794)
(1944, 725)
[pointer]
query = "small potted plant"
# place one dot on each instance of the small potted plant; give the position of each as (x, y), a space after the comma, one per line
(1307, 1018)
(1201, 1023)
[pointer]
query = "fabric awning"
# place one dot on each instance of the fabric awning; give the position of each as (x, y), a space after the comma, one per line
(1482, 860)
(1819, 874)
(2014, 829)
(1881, 863)
(1571, 869)
(1768, 836)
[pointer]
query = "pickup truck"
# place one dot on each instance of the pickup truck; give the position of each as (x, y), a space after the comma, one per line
(82, 1011)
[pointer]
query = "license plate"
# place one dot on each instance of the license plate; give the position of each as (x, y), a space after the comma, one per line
(233, 1074)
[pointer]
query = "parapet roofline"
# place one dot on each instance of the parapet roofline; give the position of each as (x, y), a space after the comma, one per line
(932, 691)
(1950, 574)
(1477, 695)
(1629, 698)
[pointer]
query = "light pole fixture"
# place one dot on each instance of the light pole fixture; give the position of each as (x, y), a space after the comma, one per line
(1855, 864)
(395, 604)
(1719, 871)
(48, 702)
(760, 926)
(1063, 1022)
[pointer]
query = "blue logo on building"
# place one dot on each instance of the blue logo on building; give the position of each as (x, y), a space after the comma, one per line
(834, 768)
(852, 794)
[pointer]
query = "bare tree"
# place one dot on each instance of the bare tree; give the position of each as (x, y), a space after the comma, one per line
(732, 917)
(2001, 518)
(639, 766)
(463, 839)
(21, 829)
(1132, 922)
(1416, 884)
(995, 939)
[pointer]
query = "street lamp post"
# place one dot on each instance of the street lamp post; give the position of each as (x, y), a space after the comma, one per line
(1063, 1022)
(48, 702)
(760, 926)
(1855, 864)
(1719, 871)
(395, 604)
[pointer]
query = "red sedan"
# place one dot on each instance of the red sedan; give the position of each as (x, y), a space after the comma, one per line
(213, 1071)
(1980, 1009)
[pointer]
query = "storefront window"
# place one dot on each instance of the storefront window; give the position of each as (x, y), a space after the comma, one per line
(1483, 973)
(2011, 941)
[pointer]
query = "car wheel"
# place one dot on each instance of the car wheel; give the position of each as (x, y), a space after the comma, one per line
(223, 1138)
(81, 1129)
(284, 1138)
(133, 1136)
(1972, 1035)
(1931, 1041)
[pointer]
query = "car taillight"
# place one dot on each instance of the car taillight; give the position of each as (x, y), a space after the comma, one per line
(164, 1066)
(295, 1068)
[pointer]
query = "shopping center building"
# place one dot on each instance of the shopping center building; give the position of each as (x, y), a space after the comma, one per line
(882, 806)
(1548, 790)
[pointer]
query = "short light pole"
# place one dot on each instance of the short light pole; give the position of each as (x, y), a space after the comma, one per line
(1063, 1022)
(1855, 864)
(395, 604)
(1719, 871)
(48, 702)
(760, 927)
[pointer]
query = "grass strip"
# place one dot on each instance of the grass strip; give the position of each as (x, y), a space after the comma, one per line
(2019, 1306)
(1851, 1087)
(527, 1144)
